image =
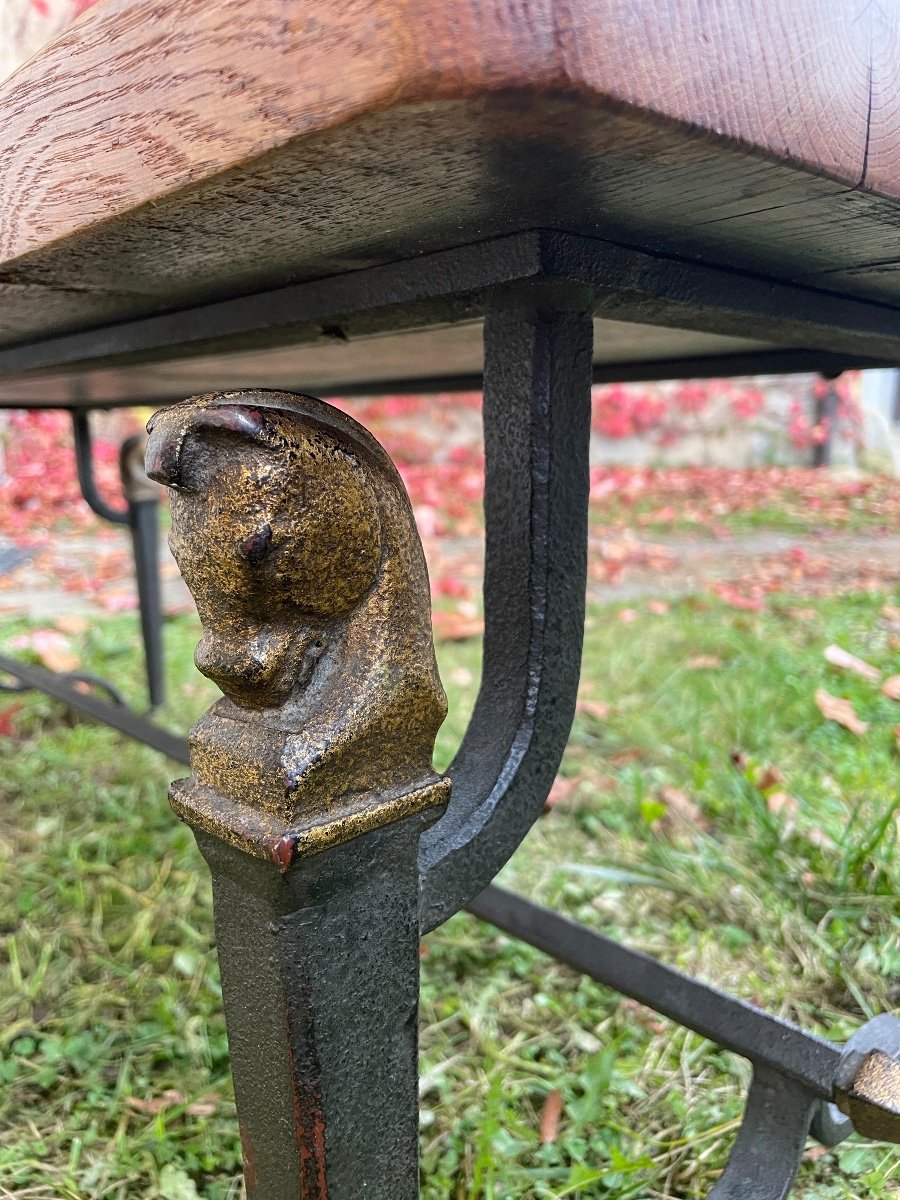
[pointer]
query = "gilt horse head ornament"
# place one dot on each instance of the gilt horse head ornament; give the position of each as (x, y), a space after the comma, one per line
(293, 530)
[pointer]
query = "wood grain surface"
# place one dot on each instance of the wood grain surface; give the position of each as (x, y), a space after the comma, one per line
(164, 152)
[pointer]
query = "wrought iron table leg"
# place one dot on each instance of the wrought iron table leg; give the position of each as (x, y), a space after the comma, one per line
(311, 780)
(142, 498)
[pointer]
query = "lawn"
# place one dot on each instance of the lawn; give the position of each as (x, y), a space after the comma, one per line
(706, 812)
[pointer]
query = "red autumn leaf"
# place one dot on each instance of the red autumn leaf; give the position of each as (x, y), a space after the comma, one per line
(729, 595)
(7, 719)
(768, 777)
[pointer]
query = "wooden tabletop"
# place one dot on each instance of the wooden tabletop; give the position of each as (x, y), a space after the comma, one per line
(164, 153)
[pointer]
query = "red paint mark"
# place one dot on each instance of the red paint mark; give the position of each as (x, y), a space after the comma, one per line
(281, 851)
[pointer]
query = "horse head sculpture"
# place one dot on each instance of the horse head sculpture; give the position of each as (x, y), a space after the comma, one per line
(296, 537)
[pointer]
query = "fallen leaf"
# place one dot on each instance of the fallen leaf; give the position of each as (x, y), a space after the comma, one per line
(891, 687)
(835, 708)
(643, 1015)
(736, 599)
(206, 1106)
(802, 614)
(52, 647)
(891, 612)
(156, 1104)
(551, 1114)
(781, 802)
(593, 708)
(72, 623)
(118, 601)
(621, 757)
(7, 721)
(461, 676)
(682, 814)
(704, 662)
(838, 657)
(659, 608)
(454, 627)
(814, 1153)
(561, 790)
(627, 616)
(768, 777)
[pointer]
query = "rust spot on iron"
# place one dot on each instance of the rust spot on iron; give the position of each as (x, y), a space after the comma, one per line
(249, 1155)
(307, 1100)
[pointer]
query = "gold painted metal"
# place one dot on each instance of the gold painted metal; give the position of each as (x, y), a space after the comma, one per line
(296, 537)
(868, 1092)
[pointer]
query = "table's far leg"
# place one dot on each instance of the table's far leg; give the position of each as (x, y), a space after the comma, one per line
(311, 780)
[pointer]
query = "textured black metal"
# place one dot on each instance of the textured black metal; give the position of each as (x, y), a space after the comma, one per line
(84, 465)
(116, 715)
(143, 520)
(771, 1140)
(320, 977)
(537, 430)
(454, 284)
(141, 515)
(707, 366)
(764, 1039)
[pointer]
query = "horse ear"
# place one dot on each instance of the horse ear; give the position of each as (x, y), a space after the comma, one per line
(170, 429)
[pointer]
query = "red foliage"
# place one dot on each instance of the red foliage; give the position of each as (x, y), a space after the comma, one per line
(668, 412)
(39, 488)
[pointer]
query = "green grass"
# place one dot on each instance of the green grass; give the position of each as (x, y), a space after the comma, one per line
(109, 990)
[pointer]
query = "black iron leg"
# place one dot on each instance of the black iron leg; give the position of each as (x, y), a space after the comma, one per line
(142, 498)
(320, 976)
(312, 780)
(537, 409)
(141, 515)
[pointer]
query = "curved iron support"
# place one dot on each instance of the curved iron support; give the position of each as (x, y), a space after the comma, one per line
(537, 381)
(142, 496)
(84, 465)
(141, 515)
(802, 1084)
(771, 1140)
